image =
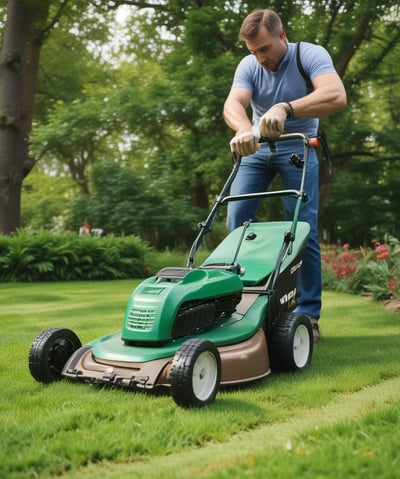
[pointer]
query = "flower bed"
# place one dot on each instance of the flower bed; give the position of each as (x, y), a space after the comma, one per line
(374, 271)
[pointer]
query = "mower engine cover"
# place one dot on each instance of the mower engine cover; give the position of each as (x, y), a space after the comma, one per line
(179, 302)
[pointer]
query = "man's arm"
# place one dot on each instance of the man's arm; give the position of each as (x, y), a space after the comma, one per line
(329, 96)
(236, 117)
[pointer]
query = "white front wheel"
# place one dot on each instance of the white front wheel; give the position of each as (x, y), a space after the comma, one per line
(195, 373)
(301, 346)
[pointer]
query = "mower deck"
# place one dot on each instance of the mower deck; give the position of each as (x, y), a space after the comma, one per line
(241, 362)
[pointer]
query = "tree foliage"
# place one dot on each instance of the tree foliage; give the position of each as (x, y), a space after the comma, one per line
(124, 203)
(153, 101)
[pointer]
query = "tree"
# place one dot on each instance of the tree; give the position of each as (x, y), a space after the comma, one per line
(72, 119)
(76, 136)
(27, 27)
(19, 62)
(45, 201)
(123, 203)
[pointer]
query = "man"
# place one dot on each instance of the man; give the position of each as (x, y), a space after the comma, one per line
(269, 80)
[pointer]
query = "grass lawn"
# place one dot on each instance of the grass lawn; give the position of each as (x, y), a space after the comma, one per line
(339, 419)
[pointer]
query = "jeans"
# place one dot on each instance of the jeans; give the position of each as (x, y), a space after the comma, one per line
(255, 174)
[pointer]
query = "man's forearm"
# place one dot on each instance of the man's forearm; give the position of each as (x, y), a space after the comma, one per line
(236, 118)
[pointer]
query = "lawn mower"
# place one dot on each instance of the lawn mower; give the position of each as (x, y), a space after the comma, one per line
(193, 329)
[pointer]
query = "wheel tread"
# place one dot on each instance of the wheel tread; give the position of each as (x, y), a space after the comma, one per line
(280, 343)
(39, 360)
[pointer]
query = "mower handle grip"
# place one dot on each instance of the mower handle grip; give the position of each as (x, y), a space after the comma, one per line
(291, 136)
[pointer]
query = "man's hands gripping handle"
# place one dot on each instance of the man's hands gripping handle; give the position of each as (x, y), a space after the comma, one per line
(272, 125)
(245, 144)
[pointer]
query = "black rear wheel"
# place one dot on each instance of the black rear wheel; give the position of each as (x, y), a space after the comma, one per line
(195, 373)
(49, 353)
(291, 342)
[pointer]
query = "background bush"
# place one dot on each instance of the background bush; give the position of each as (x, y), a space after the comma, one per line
(43, 256)
(369, 271)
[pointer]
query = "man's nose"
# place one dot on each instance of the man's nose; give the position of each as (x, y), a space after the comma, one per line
(260, 58)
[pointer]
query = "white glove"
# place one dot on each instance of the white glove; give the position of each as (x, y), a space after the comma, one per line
(244, 144)
(272, 123)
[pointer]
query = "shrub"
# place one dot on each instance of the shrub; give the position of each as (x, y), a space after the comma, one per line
(43, 256)
(339, 268)
(374, 271)
(382, 272)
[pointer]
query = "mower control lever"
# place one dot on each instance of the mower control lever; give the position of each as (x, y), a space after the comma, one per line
(246, 224)
(271, 143)
(296, 161)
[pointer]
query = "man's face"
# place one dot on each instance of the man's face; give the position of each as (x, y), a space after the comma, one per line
(269, 50)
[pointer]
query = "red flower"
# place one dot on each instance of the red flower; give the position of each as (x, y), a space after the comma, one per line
(343, 270)
(392, 285)
(347, 258)
(382, 252)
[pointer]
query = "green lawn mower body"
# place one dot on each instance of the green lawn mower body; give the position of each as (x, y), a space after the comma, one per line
(191, 329)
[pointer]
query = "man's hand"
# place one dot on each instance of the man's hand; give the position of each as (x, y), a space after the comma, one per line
(244, 144)
(272, 123)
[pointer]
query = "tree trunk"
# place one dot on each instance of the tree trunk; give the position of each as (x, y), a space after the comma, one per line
(200, 197)
(19, 62)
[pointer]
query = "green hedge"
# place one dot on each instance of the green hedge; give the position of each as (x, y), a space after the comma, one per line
(43, 256)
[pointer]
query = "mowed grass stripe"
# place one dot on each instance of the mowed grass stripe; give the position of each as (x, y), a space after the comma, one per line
(245, 447)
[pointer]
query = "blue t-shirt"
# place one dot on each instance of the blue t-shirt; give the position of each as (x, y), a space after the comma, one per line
(286, 84)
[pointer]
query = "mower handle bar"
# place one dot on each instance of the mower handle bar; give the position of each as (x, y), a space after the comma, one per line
(223, 197)
(290, 136)
(285, 137)
(308, 142)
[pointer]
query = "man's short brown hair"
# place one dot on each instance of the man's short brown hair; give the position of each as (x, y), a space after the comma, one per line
(257, 19)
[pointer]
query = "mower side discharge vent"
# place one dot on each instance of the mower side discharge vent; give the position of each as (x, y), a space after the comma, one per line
(199, 315)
